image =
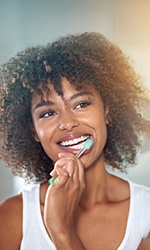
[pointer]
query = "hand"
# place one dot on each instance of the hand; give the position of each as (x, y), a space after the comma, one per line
(62, 199)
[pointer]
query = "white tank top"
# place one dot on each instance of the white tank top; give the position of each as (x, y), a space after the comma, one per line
(35, 235)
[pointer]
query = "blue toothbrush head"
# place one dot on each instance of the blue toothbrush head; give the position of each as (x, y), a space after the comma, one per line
(88, 143)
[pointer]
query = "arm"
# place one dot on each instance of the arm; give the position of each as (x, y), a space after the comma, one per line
(67, 240)
(11, 223)
(61, 203)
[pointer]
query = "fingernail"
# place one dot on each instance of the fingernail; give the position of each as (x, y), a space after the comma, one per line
(52, 172)
(61, 155)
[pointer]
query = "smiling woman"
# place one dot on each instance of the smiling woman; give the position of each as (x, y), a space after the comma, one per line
(64, 122)
(54, 98)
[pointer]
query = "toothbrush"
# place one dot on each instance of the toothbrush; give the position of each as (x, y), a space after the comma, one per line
(86, 145)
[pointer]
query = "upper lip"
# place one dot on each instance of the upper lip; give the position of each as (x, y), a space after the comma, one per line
(73, 139)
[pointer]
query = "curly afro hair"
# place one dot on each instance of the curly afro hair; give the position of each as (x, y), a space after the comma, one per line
(87, 58)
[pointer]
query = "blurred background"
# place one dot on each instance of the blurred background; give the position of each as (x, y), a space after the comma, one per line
(32, 22)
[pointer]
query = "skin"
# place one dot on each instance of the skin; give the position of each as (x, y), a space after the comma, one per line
(87, 204)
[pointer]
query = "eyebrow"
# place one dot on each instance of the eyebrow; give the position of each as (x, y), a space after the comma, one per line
(50, 103)
(81, 94)
(43, 103)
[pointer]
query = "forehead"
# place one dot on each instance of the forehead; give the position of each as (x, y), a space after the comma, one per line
(49, 97)
(67, 90)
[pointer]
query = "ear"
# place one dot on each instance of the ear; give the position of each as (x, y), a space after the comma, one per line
(108, 118)
(33, 133)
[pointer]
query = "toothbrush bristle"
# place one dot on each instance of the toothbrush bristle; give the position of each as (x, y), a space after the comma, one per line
(88, 143)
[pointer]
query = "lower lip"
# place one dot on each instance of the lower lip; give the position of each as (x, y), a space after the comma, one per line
(75, 151)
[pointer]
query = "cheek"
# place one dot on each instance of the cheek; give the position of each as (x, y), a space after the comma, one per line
(45, 136)
(100, 128)
(39, 133)
(45, 139)
(98, 119)
(43, 130)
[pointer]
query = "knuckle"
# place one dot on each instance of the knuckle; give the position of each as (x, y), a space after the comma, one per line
(83, 186)
(76, 187)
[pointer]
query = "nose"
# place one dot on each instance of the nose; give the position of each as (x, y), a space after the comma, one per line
(68, 122)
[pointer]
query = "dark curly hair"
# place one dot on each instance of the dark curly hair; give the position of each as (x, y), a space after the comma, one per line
(84, 59)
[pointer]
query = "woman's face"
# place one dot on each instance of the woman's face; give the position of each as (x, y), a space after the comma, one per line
(62, 124)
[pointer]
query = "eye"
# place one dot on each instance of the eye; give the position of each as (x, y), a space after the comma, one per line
(48, 113)
(82, 104)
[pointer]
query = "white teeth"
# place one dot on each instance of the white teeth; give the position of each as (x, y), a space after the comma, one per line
(74, 141)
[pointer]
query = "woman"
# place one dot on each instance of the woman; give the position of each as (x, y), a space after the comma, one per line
(55, 98)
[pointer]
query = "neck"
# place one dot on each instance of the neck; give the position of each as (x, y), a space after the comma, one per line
(97, 185)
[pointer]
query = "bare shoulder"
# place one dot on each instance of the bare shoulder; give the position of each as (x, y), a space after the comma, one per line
(145, 244)
(11, 223)
(119, 189)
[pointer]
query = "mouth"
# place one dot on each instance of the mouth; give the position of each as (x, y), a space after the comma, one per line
(75, 144)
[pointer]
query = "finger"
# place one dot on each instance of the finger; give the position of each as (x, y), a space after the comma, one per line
(76, 170)
(65, 155)
(70, 167)
(79, 170)
(53, 172)
(78, 163)
(69, 164)
(61, 176)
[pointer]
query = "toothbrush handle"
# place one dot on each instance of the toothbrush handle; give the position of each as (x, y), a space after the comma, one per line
(80, 152)
(51, 181)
